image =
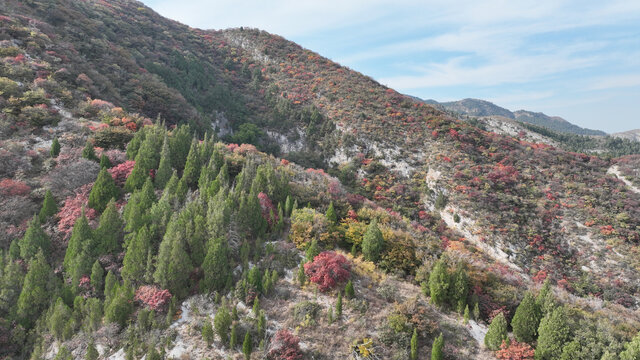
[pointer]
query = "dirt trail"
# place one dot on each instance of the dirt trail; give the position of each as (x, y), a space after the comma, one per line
(616, 171)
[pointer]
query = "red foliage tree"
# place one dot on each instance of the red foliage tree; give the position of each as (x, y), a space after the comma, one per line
(121, 172)
(10, 187)
(285, 347)
(153, 297)
(328, 269)
(515, 351)
(267, 209)
(72, 209)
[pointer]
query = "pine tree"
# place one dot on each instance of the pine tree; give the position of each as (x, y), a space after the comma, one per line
(302, 278)
(330, 315)
(262, 325)
(372, 242)
(497, 333)
(465, 317)
(64, 354)
(134, 145)
(545, 300)
(110, 287)
(414, 345)
(179, 269)
(233, 341)
(120, 307)
(439, 283)
(133, 269)
(105, 162)
(247, 346)
(192, 166)
(55, 148)
(288, 206)
(37, 291)
(256, 306)
(459, 288)
(631, 349)
(103, 190)
(526, 320)
(34, 240)
(331, 215)
(179, 145)
(349, 292)
(92, 352)
(80, 235)
(11, 283)
(147, 159)
(97, 277)
(553, 333)
(136, 213)
(58, 319)
(88, 152)
(207, 332)
(312, 251)
(222, 322)
(49, 207)
(164, 169)
(436, 348)
(109, 232)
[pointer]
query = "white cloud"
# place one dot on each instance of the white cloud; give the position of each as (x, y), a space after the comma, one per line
(615, 82)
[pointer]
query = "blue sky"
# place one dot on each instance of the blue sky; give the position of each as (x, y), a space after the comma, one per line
(575, 59)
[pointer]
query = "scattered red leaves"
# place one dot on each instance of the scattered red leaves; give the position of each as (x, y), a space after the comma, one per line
(121, 172)
(153, 297)
(515, 351)
(328, 269)
(10, 187)
(285, 346)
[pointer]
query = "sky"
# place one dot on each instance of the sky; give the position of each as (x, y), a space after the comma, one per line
(576, 59)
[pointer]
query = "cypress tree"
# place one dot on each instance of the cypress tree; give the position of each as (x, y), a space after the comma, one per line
(414, 345)
(58, 319)
(302, 277)
(216, 266)
(288, 206)
(497, 333)
(179, 145)
(80, 235)
(103, 190)
(64, 354)
(348, 290)
(164, 169)
(545, 300)
(331, 215)
(192, 166)
(49, 207)
(262, 325)
(247, 346)
(439, 283)
(222, 322)
(136, 212)
(147, 159)
(11, 283)
(207, 332)
(110, 287)
(88, 152)
(37, 291)
(120, 307)
(92, 352)
(105, 162)
(436, 348)
(233, 341)
(133, 269)
(466, 314)
(459, 288)
(256, 306)
(97, 277)
(109, 232)
(312, 250)
(34, 240)
(372, 242)
(134, 144)
(55, 148)
(526, 320)
(553, 333)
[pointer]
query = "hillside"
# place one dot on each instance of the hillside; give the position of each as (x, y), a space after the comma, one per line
(265, 191)
(630, 135)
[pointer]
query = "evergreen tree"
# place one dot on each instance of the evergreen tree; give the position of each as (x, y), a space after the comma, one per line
(103, 190)
(207, 332)
(105, 163)
(234, 335)
(92, 352)
(439, 283)
(255, 278)
(97, 277)
(134, 144)
(631, 349)
(312, 250)
(436, 348)
(179, 145)
(526, 320)
(222, 322)
(546, 300)
(247, 346)
(11, 283)
(109, 232)
(136, 212)
(465, 317)
(331, 215)
(34, 240)
(262, 325)
(459, 288)
(288, 206)
(120, 307)
(55, 148)
(256, 307)
(348, 290)
(88, 152)
(179, 269)
(147, 159)
(414, 345)
(58, 319)
(302, 277)
(133, 269)
(572, 350)
(553, 333)
(192, 167)
(110, 287)
(49, 207)
(218, 215)
(497, 333)
(37, 291)
(164, 169)
(80, 235)
(64, 354)
(372, 242)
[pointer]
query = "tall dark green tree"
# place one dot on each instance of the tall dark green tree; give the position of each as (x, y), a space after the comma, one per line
(147, 159)
(497, 332)
(103, 190)
(247, 346)
(173, 265)
(545, 300)
(10, 287)
(97, 277)
(105, 163)
(37, 292)
(372, 242)
(120, 307)
(216, 266)
(222, 322)
(88, 152)
(439, 282)
(331, 215)
(80, 236)
(133, 269)
(55, 148)
(49, 207)
(109, 232)
(136, 212)
(180, 143)
(437, 348)
(526, 320)
(459, 288)
(553, 334)
(414, 345)
(164, 169)
(34, 240)
(192, 167)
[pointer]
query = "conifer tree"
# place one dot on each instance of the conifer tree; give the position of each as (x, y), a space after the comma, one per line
(349, 292)
(110, 287)
(247, 346)
(179, 145)
(216, 266)
(64, 354)
(497, 333)
(372, 242)
(222, 322)
(103, 190)
(133, 269)
(553, 333)
(55, 148)
(11, 283)
(255, 278)
(92, 352)
(58, 319)
(233, 341)
(262, 325)
(465, 317)
(545, 300)
(147, 159)
(88, 152)
(109, 232)
(34, 240)
(136, 212)
(414, 345)
(439, 283)
(105, 162)
(120, 307)
(302, 277)
(134, 145)
(436, 348)
(192, 166)
(288, 206)
(80, 235)
(173, 264)
(312, 251)
(49, 207)
(526, 320)
(631, 349)
(331, 215)
(256, 306)
(207, 332)
(459, 288)
(97, 277)
(218, 215)
(37, 291)
(164, 169)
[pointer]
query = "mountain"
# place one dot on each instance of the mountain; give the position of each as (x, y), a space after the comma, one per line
(630, 135)
(482, 108)
(265, 191)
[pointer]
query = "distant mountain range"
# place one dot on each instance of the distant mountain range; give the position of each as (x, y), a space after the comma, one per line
(631, 135)
(482, 108)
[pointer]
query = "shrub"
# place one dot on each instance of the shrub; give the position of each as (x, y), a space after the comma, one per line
(153, 297)
(121, 172)
(285, 346)
(10, 187)
(112, 137)
(515, 351)
(327, 270)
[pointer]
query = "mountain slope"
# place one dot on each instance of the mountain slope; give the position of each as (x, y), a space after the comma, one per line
(631, 135)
